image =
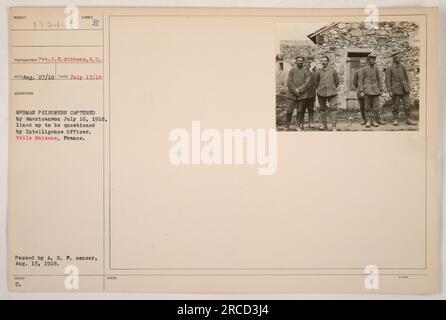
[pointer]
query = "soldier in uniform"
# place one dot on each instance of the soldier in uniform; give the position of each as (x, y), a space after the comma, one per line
(326, 82)
(311, 95)
(398, 86)
(361, 101)
(369, 84)
(297, 83)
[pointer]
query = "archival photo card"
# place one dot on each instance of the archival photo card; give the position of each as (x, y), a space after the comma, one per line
(348, 76)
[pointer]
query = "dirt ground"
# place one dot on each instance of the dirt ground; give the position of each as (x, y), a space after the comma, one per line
(348, 120)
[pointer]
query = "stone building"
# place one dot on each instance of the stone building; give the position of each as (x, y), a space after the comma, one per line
(346, 43)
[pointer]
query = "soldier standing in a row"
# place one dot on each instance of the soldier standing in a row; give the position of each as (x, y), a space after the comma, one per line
(363, 63)
(311, 95)
(369, 84)
(327, 82)
(298, 80)
(397, 83)
(303, 84)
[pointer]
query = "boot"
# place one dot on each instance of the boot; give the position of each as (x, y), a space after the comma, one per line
(300, 120)
(378, 118)
(373, 122)
(395, 120)
(310, 120)
(288, 120)
(334, 119)
(369, 121)
(323, 120)
(410, 122)
(363, 116)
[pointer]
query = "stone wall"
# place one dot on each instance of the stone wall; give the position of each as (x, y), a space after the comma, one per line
(290, 49)
(390, 37)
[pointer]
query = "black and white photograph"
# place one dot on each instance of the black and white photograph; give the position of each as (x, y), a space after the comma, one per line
(347, 76)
